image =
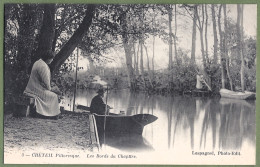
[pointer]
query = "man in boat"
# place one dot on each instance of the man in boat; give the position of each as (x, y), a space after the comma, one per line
(97, 104)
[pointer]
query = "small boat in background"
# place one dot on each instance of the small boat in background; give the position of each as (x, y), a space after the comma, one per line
(237, 95)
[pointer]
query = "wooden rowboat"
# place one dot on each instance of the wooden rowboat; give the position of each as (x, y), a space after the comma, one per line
(117, 124)
(237, 95)
(123, 124)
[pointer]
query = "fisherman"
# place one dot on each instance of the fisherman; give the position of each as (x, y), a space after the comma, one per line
(97, 104)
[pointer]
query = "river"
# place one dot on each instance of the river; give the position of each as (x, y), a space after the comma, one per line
(184, 122)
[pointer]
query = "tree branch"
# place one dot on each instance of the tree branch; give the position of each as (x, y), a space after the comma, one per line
(73, 42)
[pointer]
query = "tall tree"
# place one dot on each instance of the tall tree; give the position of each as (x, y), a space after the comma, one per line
(141, 55)
(153, 43)
(240, 10)
(141, 42)
(175, 35)
(26, 35)
(27, 26)
(47, 30)
(222, 58)
(127, 46)
(201, 29)
(169, 10)
(194, 30)
(206, 35)
(225, 45)
(215, 52)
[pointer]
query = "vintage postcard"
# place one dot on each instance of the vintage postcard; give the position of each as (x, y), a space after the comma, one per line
(147, 83)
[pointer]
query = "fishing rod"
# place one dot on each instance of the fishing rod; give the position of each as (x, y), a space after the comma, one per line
(106, 111)
(76, 78)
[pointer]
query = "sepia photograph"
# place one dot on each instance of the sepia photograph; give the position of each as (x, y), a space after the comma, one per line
(124, 84)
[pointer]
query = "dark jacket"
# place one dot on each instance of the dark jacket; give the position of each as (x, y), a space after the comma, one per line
(97, 105)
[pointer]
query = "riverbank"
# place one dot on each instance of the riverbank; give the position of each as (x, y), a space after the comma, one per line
(70, 133)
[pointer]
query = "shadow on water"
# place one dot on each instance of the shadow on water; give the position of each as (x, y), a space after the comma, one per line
(184, 122)
(126, 142)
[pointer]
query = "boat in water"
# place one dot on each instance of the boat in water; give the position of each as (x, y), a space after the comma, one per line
(121, 123)
(237, 95)
(118, 124)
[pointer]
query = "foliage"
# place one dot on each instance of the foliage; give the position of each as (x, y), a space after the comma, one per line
(114, 26)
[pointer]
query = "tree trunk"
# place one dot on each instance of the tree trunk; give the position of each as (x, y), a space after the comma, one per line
(76, 38)
(127, 49)
(215, 52)
(137, 61)
(134, 52)
(170, 37)
(47, 31)
(175, 36)
(194, 30)
(141, 42)
(25, 38)
(242, 71)
(25, 46)
(141, 58)
(226, 48)
(170, 66)
(148, 66)
(130, 69)
(222, 59)
(201, 28)
(206, 36)
(153, 54)
(202, 49)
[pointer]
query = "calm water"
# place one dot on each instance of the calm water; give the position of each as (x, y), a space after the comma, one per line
(189, 123)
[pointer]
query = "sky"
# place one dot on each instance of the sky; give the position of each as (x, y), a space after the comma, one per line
(184, 39)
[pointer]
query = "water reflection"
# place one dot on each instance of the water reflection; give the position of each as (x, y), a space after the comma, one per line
(184, 122)
(127, 143)
(237, 123)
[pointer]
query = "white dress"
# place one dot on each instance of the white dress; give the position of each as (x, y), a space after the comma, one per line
(199, 82)
(39, 88)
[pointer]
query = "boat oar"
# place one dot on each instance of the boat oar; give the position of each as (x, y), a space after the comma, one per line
(105, 118)
(106, 111)
(207, 84)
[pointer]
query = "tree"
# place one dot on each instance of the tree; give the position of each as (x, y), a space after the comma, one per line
(169, 10)
(47, 31)
(194, 30)
(206, 35)
(215, 52)
(21, 25)
(225, 45)
(240, 9)
(200, 26)
(222, 58)
(175, 35)
(76, 38)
